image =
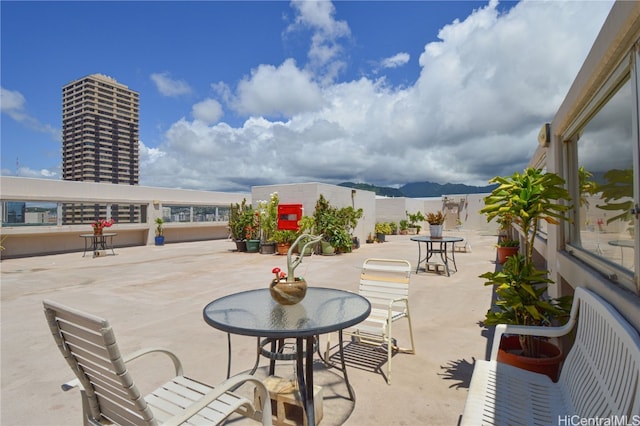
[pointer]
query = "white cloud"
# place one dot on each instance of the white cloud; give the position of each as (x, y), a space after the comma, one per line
(208, 111)
(168, 86)
(484, 90)
(396, 60)
(284, 90)
(13, 103)
(325, 51)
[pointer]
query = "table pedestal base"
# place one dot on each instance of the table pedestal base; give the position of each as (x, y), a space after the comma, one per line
(286, 403)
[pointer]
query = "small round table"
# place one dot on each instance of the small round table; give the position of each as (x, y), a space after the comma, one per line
(441, 250)
(98, 241)
(323, 310)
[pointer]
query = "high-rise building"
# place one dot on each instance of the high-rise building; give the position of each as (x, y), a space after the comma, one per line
(100, 131)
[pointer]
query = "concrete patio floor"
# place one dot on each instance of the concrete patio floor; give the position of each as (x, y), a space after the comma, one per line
(154, 296)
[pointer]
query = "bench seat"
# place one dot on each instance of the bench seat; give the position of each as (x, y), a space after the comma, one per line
(600, 377)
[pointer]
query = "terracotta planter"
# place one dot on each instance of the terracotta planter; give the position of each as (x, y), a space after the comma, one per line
(505, 252)
(288, 293)
(548, 364)
(283, 248)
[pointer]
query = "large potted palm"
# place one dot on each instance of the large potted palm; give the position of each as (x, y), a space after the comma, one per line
(521, 288)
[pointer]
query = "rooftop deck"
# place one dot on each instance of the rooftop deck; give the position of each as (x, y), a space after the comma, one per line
(154, 296)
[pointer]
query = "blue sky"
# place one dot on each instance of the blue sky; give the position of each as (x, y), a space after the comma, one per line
(234, 94)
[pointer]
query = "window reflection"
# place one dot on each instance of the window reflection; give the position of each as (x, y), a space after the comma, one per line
(605, 175)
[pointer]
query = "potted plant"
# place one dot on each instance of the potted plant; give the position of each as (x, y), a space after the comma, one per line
(394, 228)
(381, 229)
(436, 221)
(100, 224)
(526, 198)
(268, 223)
(306, 225)
(404, 224)
(252, 230)
(159, 232)
(335, 225)
(414, 222)
(283, 239)
(506, 248)
(286, 288)
(238, 222)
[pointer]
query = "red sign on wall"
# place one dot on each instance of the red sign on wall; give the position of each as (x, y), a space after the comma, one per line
(289, 215)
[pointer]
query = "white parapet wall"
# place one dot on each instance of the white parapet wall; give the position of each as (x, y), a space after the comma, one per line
(47, 238)
(20, 240)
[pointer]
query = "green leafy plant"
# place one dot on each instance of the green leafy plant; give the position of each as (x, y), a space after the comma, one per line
(619, 188)
(335, 224)
(523, 199)
(159, 228)
(383, 228)
(268, 217)
(415, 219)
(521, 289)
(240, 216)
(284, 236)
(506, 242)
(528, 198)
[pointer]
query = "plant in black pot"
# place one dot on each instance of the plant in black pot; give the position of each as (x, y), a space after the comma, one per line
(521, 288)
(240, 216)
(382, 229)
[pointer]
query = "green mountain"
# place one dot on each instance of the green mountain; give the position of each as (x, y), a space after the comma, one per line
(379, 190)
(421, 189)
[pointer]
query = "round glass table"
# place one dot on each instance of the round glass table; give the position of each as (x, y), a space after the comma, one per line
(323, 310)
(437, 246)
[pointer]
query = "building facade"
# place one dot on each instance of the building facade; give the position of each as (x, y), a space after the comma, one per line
(100, 133)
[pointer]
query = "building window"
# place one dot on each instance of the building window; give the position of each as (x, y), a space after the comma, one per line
(605, 148)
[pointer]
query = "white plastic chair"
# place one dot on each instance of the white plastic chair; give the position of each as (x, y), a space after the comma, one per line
(108, 392)
(385, 283)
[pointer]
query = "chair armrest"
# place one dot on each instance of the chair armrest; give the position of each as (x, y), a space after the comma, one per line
(145, 351)
(71, 384)
(75, 383)
(192, 410)
(502, 329)
(404, 300)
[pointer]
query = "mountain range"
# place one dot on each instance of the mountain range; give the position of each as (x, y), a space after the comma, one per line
(421, 189)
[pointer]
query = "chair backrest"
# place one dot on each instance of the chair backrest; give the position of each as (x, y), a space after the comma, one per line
(602, 370)
(383, 280)
(89, 345)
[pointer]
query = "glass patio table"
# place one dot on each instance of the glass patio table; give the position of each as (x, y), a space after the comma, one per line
(96, 242)
(323, 310)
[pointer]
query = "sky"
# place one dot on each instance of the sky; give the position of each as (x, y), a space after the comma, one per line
(239, 93)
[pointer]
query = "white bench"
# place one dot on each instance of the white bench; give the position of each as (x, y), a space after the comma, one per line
(599, 378)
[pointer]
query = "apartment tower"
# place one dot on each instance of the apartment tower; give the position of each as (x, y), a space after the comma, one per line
(100, 131)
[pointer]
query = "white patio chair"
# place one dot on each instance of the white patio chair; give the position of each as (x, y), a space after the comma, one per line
(109, 394)
(385, 283)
